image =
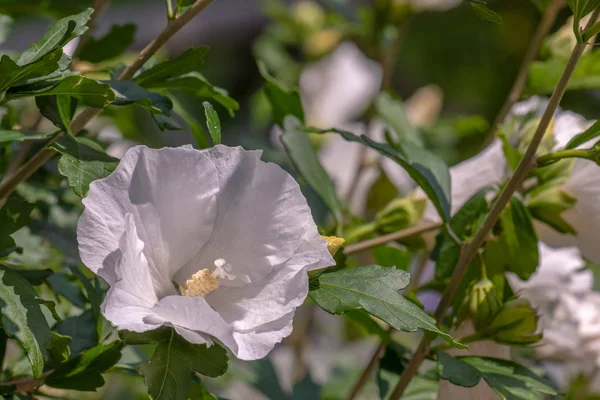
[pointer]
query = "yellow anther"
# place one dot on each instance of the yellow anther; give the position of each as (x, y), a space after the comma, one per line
(333, 243)
(200, 284)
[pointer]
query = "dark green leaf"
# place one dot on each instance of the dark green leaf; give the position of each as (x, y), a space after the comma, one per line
(110, 46)
(58, 35)
(81, 329)
(365, 320)
(34, 276)
(212, 122)
(283, 101)
(168, 374)
(591, 133)
(12, 74)
(199, 392)
(23, 320)
(189, 61)
(82, 162)
(484, 13)
(456, 371)
(13, 216)
(60, 348)
(305, 160)
(11, 136)
(428, 170)
(580, 9)
(374, 289)
(194, 126)
(84, 372)
(128, 92)
(58, 109)
(393, 113)
(88, 91)
(266, 380)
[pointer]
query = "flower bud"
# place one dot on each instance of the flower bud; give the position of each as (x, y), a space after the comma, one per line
(310, 15)
(528, 132)
(400, 214)
(483, 303)
(515, 324)
(547, 203)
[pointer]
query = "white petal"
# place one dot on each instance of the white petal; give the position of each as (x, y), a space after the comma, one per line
(261, 219)
(257, 343)
(171, 194)
(338, 88)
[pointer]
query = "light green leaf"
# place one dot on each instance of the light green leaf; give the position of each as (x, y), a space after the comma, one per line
(58, 109)
(283, 101)
(212, 122)
(57, 36)
(12, 74)
(544, 75)
(110, 46)
(580, 9)
(84, 372)
(83, 162)
(23, 320)
(428, 170)
(168, 374)
(388, 256)
(591, 133)
(60, 348)
(300, 151)
(484, 13)
(90, 92)
(508, 379)
(374, 289)
(189, 61)
(18, 136)
(393, 113)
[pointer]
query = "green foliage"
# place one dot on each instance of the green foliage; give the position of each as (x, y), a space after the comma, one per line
(484, 12)
(82, 162)
(304, 158)
(591, 133)
(212, 122)
(508, 379)
(580, 9)
(17, 136)
(110, 46)
(13, 216)
(22, 318)
(12, 74)
(374, 289)
(58, 109)
(283, 101)
(393, 113)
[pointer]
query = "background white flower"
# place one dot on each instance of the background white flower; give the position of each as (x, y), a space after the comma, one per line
(231, 231)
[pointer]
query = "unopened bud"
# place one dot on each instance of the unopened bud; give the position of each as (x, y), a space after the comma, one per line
(400, 214)
(528, 132)
(310, 15)
(484, 303)
(515, 324)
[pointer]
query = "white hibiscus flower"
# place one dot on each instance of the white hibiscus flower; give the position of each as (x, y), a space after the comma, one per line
(215, 243)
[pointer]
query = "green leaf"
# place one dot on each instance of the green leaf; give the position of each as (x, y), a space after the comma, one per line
(212, 122)
(283, 101)
(189, 61)
(196, 84)
(456, 371)
(58, 109)
(18, 136)
(388, 256)
(484, 13)
(90, 92)
(13, 216)
(393, 113)
(514, 247)
(508, 379)
(57, 36)
(544, 75)
(580, 9)
(447, 251)
(374, 289)
(194, 126)
(84, 372)
(110, 46)
(160, 107)
(427, 170)
(83, 162)
(12, 74)
(305, 160)
(23, 320)
(34, 276)
(60, 351)
(82, 331)
(168, 374)
(591, 133)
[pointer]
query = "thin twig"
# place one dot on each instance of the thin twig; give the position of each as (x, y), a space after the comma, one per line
(84, 117)
(472, 247)
(548, 19)
(403, 234)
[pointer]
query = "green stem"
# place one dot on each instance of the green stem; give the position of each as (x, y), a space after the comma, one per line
(551, 158)
(475, 337)
(170, 11)
(591, 32)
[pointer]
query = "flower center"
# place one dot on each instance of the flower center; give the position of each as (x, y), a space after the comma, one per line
(206, 280)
